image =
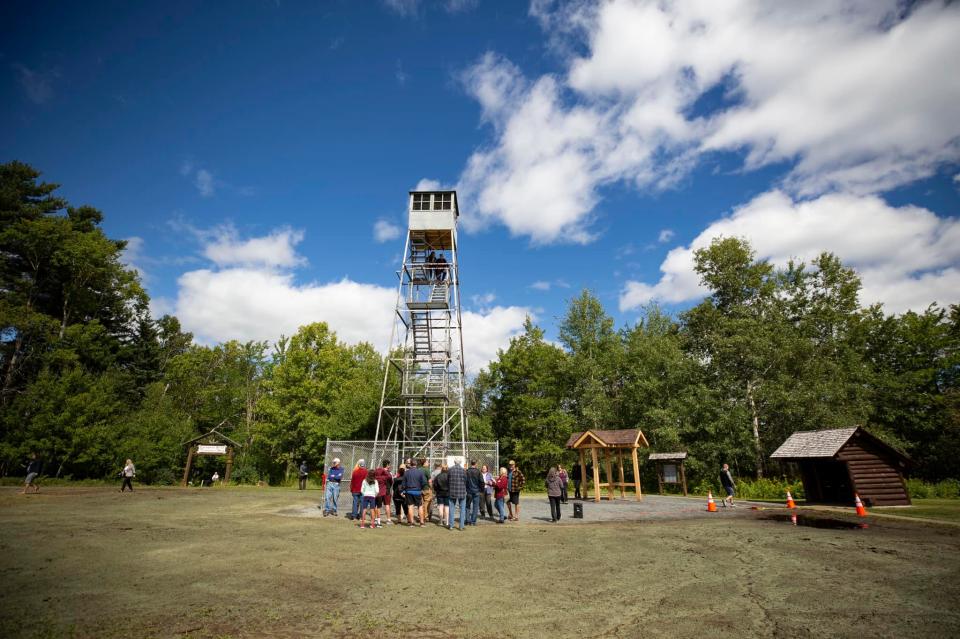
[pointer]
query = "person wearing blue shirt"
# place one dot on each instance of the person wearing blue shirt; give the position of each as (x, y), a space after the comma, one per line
(332, 492)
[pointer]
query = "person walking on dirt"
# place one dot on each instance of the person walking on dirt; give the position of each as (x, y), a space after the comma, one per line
(576, 476)
(516, 483)
(128, 473)
(554, 486)
(726, 480)
(356, 487)
(500, 493)
(414, 482)
(304, 473)
(331, 493)
(33, 471)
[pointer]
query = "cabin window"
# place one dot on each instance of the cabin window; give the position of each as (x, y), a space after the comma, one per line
(421, 201)
(442, 201)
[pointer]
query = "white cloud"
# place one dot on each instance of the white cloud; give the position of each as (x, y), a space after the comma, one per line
(133, 253)
(277, 249)
(665, 236)
(483, 300)
(384, 231)
(456, 6)
(541, 285)
(250, 303)
(853, 96)
(254, 295)
(426, 184)
(38, 85)
(906, 256)
(204, 182)
(403, 7)
(486, 333)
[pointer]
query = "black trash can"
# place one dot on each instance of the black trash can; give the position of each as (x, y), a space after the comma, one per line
(578, 511)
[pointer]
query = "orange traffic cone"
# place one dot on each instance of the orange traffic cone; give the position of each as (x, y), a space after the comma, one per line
(861, 511)
(711, 506)
(790, 503)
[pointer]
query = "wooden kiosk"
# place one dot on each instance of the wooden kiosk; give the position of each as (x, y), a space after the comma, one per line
(670, 469)
(611, 442)
(210, 443)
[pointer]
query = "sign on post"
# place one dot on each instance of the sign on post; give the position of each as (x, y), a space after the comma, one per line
(212, 449)
(670, 474)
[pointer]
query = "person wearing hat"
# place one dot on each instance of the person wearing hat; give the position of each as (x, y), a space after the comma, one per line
(356, 487)
(515, 481)
(332, 488)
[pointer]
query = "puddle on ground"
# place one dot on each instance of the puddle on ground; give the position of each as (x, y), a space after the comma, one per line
(818, 522)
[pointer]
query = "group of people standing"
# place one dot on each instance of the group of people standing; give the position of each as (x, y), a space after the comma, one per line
(458, 495)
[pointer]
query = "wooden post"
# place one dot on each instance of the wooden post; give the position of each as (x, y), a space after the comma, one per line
(583, 476)
(683, 478)
(636, 477)
(596, 474)
(186, 470)
(607, 455)
(660, 477)
(226, 474)
(623, 493)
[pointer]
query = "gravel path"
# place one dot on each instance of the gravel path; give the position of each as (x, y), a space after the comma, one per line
(536, 509)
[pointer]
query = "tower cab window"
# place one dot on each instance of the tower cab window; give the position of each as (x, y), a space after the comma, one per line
(442, 201)
(421, 201)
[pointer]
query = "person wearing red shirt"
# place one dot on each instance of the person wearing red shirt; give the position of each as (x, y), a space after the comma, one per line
(356, 487)
(501, 487)
(385, 480)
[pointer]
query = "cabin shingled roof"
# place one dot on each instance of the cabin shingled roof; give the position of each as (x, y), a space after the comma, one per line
(817, 443)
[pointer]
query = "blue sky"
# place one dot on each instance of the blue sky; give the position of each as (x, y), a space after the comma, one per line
(258, 154)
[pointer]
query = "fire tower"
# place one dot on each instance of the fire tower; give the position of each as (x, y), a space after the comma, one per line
(421, 405)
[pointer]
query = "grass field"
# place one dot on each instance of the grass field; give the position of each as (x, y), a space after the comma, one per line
(942, 509)
(89, 562)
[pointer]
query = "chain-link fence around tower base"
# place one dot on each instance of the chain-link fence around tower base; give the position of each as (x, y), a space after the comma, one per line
(374, 453)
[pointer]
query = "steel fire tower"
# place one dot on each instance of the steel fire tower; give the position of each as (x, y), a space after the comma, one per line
(421, 404)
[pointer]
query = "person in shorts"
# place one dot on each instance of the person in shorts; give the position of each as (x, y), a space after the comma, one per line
(414, 482)
(726, 479)
(516, 482)
(369, 490)
(385, 486)
(33, 471)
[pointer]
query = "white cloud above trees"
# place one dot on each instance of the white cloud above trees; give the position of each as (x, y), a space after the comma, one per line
(250, 292)
(906, 256)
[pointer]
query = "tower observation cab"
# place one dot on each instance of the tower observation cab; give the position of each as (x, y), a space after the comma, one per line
(422, 402)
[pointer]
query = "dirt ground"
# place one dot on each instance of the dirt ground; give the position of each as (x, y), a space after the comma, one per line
(90, 562)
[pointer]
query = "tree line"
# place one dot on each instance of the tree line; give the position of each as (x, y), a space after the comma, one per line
(89, 378)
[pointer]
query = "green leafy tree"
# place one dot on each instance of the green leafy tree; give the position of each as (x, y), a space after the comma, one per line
(524, 394)
(318, 388)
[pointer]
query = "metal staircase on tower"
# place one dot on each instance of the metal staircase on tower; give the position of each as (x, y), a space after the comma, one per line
(422, 401)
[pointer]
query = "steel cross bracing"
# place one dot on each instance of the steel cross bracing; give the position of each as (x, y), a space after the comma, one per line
(422, 402)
